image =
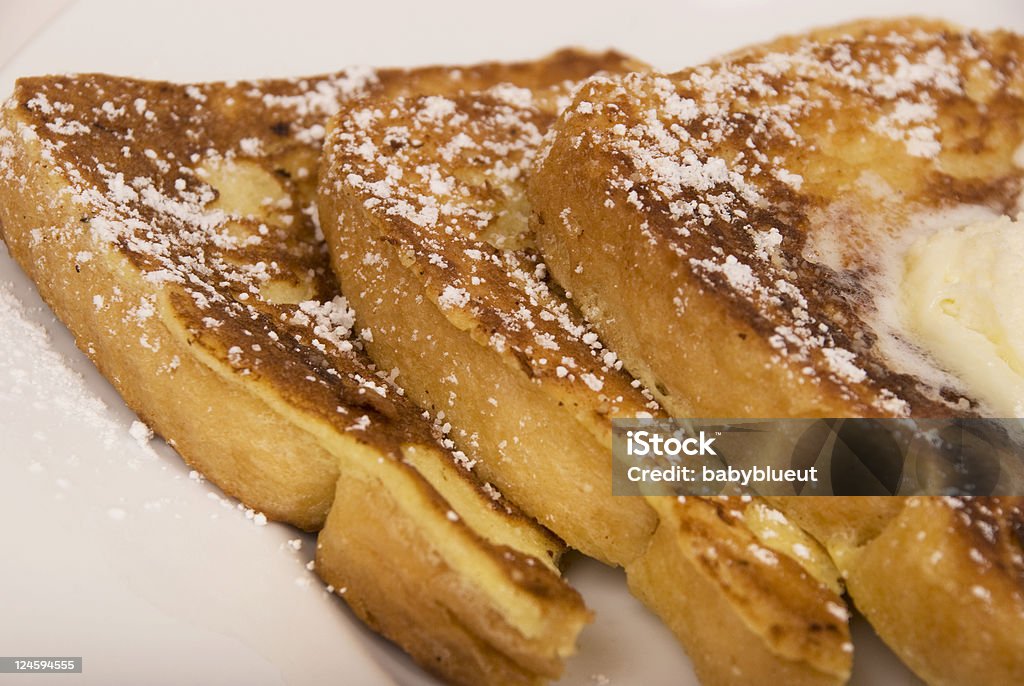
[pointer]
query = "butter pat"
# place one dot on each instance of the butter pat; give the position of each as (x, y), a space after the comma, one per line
(963, 300)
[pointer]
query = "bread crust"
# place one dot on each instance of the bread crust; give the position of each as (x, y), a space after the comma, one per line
(751, 215)
(745, 613)
(960, 617)
(422, 197)
(940, 579)
(505, 360)
(759, 256)
(164, 225)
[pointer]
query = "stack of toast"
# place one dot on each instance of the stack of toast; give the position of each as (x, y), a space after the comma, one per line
(422, 201)
(173, 228)
(332, 296)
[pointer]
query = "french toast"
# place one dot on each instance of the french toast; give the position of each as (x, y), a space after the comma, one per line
(422, 202)
(428, 245)
(768, 190)
(172, 228)
(940, 578)
(759, 208)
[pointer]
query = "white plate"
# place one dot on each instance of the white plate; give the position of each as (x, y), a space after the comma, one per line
(110, 550)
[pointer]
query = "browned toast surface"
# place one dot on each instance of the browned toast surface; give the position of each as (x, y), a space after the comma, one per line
(740, 596)
(755, 206)
(422, 202)
(940, 579)
(207, 191)
(172, 228)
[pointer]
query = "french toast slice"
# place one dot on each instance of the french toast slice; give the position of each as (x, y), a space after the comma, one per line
(750, 596)
(754, 204)
(172, 228)
(422, 203)
(758, 208)
(957, 618)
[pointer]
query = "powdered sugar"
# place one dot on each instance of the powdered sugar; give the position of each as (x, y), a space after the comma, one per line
(331, 321)
(224, 265)
(452, 297)
(459, 228)
(33, 372)
(708, 149)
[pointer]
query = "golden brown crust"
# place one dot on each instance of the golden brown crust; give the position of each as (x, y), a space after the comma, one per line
(759, 612)
(422, 197)
(172, 228)
(941, 579)
(753, 213)
(419, 203)
(168, 387)
(756, 207)
(469, 612)
(454, 219)
(150, 147)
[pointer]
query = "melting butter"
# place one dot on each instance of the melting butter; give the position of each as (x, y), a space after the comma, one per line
(963, 299)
